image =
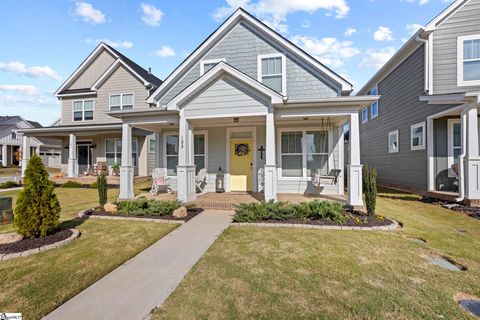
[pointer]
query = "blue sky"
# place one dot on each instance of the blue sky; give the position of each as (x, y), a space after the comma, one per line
(43, 42)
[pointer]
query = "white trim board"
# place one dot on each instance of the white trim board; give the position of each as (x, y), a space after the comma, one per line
(460, 72)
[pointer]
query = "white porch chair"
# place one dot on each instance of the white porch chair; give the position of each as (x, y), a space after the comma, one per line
(159, 182)
(201, 180)
(331, 177)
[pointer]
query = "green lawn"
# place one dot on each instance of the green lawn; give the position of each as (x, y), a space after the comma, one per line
(271, 273)
(16, 171)
(38, 284)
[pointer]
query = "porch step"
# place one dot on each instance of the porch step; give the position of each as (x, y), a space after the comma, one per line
(215, 205)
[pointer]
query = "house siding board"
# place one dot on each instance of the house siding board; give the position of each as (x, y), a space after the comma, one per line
(88, 77)
(462, 23)
(399, 108)
(240, 48)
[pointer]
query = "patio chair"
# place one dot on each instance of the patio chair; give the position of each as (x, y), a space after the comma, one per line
(331, 177)
(159, 182)
(99, 168)
(201, 180)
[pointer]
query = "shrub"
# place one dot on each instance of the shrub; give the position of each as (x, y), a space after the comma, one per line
(144, 207)
(9, 184)
(370, 188)
(327, 210)
(94, 185)
(37, 211)
(250, 212)
(102, 189)
(71, 184)
(162, 208)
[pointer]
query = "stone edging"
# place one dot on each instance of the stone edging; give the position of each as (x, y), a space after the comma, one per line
(393, 226)
(26, 253)
(82, 214)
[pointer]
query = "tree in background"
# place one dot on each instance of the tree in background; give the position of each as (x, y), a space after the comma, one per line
(102, 189)
(37, 211)
(370, 188)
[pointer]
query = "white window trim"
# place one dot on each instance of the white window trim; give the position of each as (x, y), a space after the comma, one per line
(450, 123)
(115, 152)
(121, 100)
(83, 110)
(364, 120)
(149, 145)
(304, 176)
(204, 62)
(391, 133)
(175, 133)
(460, 81)
(412, 127)
(260, 57)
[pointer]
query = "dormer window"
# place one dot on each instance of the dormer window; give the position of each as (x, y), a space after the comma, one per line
(121, 101)
(272, 71)
(468, 64)
(206, 65)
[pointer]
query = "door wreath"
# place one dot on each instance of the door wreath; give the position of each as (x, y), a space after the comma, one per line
(241, 149)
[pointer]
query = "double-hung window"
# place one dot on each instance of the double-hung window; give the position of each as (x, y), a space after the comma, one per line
(152, 145)
(272, 71)
(374, 106)
(82, 110)
(393, 142)
(468, 65)
(417, 136)
(304, 153)
(172, 148)
(122, 101)
(365, 115)
(113, 151)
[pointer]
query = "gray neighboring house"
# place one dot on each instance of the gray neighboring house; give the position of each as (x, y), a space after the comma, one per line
(11, 142)
(423, 132)
(246, 103)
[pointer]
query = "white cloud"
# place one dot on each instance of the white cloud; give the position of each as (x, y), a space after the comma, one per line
(20, 88)
(383, 34)
(305, 24)
(151, 15)
(420, 2)
(412, 28)
(165, 52)
(350, 32)
(113, 43)
(89, 13)
(329, 51)
(274, 12)
(376, 58)
(19, 68)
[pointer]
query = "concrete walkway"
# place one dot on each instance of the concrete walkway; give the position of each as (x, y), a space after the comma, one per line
(135, 288)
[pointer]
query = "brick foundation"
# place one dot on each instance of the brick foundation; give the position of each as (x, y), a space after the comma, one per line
(472, 202)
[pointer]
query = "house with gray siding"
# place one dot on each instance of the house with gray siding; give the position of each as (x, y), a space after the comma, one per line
(422, 134)
(246, 104)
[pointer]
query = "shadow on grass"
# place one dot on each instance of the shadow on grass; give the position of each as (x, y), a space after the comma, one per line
(397, 195)
(71, 224)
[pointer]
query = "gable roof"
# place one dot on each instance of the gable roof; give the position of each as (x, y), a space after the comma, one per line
(239, 15)
(411, 45)
(140, 72)
(212, 74)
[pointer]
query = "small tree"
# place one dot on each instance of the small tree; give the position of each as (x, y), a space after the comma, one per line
(370, 188)
(38, 210)
(102, 189)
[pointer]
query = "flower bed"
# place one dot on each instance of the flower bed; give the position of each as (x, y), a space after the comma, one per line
(143, 208)
(315, 212)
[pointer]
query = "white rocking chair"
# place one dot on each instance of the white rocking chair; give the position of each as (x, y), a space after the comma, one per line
(201, 180)
(159, 182)
(331, 177)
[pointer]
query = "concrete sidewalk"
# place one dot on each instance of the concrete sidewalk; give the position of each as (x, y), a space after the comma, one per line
(135, 288)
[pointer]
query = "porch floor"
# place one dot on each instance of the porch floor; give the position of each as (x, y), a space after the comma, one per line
(228, 200)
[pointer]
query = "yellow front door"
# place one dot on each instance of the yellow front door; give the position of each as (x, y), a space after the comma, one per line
(241, 165)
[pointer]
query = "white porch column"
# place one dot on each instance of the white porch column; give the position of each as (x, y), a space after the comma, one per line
(341, 160)
(355, 168)
(472, 157)
(270, 178)
(25, 153)
(186, 189)
(72, 156)
(4, 155)
(126, 169)
(37, 151)
(430, 155)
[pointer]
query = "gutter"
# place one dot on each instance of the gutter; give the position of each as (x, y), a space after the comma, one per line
(426, 80)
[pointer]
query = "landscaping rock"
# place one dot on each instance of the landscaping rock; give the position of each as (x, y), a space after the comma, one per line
(110, 207)
(9, 238)
(180, 212)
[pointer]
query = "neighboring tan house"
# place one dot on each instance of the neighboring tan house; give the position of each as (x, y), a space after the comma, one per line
(105, 81)
(246, 103)
(423, 132)
(11, 142)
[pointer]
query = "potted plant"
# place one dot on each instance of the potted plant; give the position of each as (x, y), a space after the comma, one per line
(115, 169)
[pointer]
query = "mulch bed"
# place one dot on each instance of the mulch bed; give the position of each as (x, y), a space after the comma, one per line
(473, 212)
(191, 213)
(366, 221)
(27, 244)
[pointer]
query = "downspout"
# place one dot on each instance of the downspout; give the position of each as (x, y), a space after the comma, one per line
(461, 167)
(426, 62)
